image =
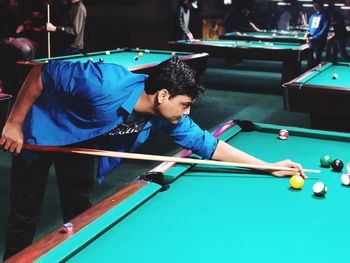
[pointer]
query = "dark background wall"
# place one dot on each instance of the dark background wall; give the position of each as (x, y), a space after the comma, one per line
(149, 23)
(143, 23)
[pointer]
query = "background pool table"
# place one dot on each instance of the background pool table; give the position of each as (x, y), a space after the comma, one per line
(324, 97)
(125, 57)
(295, 36)
(291, 54)
(211, 214)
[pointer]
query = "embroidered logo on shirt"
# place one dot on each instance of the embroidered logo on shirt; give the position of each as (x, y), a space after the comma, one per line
(316, 22)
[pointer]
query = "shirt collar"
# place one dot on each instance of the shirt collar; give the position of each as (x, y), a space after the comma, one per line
(129, 104)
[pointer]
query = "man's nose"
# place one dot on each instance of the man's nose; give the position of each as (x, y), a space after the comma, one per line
(187, 111)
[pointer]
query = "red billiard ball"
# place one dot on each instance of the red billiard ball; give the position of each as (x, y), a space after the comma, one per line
(68, 228)
(136, 58)
(283, 134)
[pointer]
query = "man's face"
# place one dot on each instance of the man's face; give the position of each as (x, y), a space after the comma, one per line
(317, 7)
(173, 109)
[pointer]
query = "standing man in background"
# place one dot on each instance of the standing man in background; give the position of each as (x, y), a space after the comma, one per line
(69, 28)
(337, 44)
(317, 33)
(183, 20)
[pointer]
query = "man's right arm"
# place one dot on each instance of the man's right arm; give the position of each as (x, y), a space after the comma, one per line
(12, 135)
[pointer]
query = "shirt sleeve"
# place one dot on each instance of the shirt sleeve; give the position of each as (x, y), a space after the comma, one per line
(190, 136)
(52, 76)
(323, 28)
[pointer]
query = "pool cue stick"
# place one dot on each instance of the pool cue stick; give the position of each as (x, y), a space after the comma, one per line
(48, 33)
(159, 158)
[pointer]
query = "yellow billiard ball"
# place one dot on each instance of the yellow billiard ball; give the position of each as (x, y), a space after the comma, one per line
(296, 182)
(140, 54)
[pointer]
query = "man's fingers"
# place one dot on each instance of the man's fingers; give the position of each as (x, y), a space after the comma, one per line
(18, 148)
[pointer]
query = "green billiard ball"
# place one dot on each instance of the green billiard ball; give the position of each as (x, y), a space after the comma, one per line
(326, 161)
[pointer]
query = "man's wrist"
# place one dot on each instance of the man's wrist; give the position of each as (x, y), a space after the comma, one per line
(59, 29)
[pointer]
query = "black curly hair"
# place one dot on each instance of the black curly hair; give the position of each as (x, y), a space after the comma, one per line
(175, 76)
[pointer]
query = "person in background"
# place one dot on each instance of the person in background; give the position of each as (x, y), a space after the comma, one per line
(196, 21)
(68, 28)
(239, 18)
(22, 35)
(183, 20)
(317, 33)
(338, 40)
(298, 16)
(283, 22)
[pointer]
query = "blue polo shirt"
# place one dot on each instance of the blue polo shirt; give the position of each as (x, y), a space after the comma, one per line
(81, 101)
(318, 26)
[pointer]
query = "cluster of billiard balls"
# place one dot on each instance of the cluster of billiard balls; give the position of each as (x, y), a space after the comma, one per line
(140, 54)
(319, 188)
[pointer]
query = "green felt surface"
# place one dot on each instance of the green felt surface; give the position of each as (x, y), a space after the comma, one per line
(122, 57)
(323, 76)
(213, 214)
(269, 34)
(243, 43)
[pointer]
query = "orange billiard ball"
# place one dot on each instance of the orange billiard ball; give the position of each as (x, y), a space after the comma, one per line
(296, 182)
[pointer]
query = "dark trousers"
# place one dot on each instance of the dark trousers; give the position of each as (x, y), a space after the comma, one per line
(75, 176)
(339, 46)
(315, 55)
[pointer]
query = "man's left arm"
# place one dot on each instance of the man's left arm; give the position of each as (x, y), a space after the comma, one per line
(227, 153)
(190, 136)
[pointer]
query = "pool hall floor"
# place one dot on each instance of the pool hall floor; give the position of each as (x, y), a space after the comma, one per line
(249, 90)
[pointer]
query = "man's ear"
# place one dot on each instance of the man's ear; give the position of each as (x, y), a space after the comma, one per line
(162, 95)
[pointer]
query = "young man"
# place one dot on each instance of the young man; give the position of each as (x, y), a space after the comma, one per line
(70, 28)
(102, 106)
(317, 33)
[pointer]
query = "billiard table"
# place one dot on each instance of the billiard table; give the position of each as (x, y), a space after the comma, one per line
(291, 54)
(294, 36)
(4, 108)
(202, 213)
(126, 57)
(325, 98)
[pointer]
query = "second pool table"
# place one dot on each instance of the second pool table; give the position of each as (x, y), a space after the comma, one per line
(212, 214)
(324, 93)
(125, 57)
(290, 54)
(268, 35)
